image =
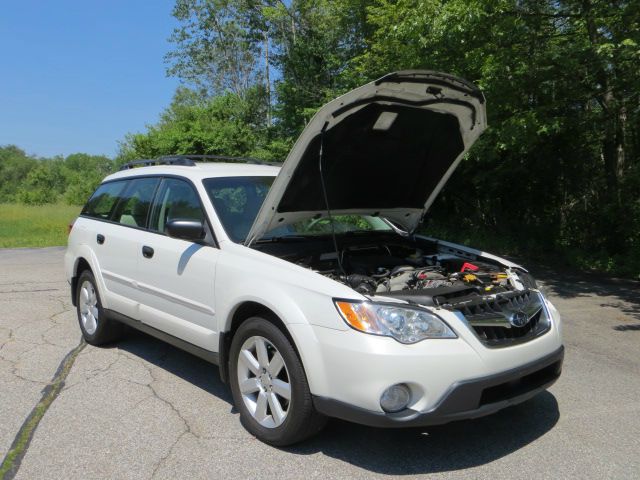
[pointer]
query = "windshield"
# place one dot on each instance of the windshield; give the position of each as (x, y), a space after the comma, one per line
(237, 201)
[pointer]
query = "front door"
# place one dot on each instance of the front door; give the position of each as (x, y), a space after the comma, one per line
(176, 277)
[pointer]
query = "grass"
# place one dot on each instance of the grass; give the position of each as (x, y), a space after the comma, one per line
(35, 225)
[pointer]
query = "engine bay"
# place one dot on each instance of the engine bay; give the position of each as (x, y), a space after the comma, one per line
(415, 270)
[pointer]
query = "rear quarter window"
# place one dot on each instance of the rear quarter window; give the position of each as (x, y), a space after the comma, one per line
(101, 203)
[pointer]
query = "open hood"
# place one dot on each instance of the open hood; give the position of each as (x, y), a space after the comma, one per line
(384, 149)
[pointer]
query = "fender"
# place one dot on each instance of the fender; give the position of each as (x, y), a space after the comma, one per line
(300, 331)
(83, 251)
(472, 253)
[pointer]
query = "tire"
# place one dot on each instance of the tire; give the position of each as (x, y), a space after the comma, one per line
(96, 328)
(264, 409)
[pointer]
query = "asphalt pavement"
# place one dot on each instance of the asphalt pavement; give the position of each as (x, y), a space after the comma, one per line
(143, 409)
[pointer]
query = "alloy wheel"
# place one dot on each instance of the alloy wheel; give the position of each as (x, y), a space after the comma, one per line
(88, 303)
(264, 382)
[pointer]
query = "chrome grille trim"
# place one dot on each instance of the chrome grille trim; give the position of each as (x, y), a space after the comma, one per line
(493, 317)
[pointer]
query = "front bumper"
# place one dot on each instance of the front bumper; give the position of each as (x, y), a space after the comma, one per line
(465, 399)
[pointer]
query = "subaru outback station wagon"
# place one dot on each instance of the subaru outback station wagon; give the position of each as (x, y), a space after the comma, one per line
(308, 285)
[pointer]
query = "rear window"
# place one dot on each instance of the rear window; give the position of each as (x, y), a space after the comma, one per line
(135, 201)
(103, 200)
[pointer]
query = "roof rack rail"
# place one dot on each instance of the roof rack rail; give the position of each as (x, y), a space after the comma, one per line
(216, 158)
(190, 161)
(157, 161)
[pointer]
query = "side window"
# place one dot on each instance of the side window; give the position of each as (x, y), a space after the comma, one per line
(103, 200)
(177, 199)
(134, 204)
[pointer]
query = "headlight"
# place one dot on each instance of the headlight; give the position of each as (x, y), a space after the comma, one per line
(406, 325)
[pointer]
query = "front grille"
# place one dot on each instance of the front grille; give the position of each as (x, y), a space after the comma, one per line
(492, 316)
(479, 307)
(500, 334)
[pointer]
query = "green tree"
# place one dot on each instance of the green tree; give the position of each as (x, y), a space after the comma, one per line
(44, 183)
(314, 54)
(83, 173)
(41, 180)
(15, 165)
(221, 125)
(216, 50)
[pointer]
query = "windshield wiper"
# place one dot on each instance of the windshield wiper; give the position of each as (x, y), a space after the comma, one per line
(281, 238)
(370, 232)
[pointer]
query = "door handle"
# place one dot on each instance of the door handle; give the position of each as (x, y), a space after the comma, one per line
(147, 252)
(100, 239)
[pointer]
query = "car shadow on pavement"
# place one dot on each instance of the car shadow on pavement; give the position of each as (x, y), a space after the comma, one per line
(626, 328)
(442, 448)
(188, 367)
(622, 294)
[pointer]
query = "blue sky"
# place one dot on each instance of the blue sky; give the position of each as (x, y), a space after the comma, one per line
(76, 76)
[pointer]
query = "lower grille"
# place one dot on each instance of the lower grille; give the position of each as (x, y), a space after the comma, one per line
(514, 388)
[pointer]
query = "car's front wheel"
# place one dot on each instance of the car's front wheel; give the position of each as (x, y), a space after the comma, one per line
(269, 385)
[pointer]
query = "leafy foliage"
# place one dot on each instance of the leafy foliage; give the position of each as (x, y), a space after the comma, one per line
(216, 49)
(14, 167)
(220, 125)
(83, 173)
(36, 181)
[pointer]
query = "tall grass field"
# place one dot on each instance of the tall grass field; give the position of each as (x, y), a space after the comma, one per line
(35, 225)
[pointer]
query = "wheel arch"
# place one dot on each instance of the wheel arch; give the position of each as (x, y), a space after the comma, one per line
(242, 312)
(85, 258)
(81, 264)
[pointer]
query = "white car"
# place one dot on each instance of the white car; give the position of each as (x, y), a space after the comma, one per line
(307, 284)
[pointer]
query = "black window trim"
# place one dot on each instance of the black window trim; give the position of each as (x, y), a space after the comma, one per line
(214, 241)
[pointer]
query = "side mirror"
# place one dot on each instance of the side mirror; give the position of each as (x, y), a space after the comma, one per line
(191, 230)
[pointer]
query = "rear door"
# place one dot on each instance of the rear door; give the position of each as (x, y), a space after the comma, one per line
(119, 209)
(176, 277)
(129, 219)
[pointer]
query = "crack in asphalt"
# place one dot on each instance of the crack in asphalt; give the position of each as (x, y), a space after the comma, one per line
(15, 338)
(32, 290)
(20, 445)
(153, 394)
(186, 430)
(186, 426)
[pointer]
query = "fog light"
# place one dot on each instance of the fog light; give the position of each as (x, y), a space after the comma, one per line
(395, 398)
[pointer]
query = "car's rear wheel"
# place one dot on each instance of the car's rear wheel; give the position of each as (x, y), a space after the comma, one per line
(96, 328)
(269, 385)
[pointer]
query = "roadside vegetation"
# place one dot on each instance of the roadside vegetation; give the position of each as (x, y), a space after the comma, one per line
(555, 176)
(35, 225)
